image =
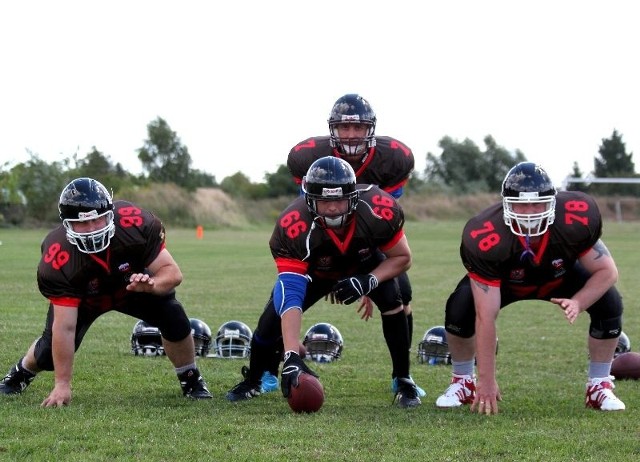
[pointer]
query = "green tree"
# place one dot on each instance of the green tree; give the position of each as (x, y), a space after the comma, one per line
(462, 168)
(164, 157)
(100, 167)
(281, 183)
(13, 202)
(200, 179)
(497, 162)
(614, 162)
(239, 185)
(577, 173)
(41, 184)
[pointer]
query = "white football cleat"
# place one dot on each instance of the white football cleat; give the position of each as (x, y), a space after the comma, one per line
(462, 390)
(600, 395)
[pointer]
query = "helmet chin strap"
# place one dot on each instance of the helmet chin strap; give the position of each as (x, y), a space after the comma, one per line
(528, 252)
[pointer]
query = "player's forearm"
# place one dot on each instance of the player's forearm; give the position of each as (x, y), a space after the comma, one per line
(392, 267)
(291, 325)
(485, 351)
(166, 279)
(487, 304)
(595, 287)
(63, 353)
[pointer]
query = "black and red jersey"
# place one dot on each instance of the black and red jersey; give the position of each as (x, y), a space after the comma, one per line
(494, 255)
(69, 277)
(387, 165)
(299, 245)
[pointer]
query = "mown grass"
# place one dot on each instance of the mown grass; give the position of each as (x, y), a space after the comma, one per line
(130, 408)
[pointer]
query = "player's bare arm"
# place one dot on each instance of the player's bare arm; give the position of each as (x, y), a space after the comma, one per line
(487, 303)
(165, 276)
(63, 346)
(398, 260)
(604, 275)
(480, 285)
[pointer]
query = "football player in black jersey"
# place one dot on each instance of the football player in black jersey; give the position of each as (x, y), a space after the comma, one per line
(338, 239)
(537, 244)
(105, 256)
(378, 160)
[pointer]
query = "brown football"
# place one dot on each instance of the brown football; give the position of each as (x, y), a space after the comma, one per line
(308, 396)
(626, 366)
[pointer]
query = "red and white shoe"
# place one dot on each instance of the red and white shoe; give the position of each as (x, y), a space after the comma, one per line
(462, 390)
(600, 395)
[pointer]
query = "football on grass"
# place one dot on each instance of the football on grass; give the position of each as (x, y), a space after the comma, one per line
(626, 366)
(308, 396)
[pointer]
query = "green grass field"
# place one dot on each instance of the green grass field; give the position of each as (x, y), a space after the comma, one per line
(130, 408)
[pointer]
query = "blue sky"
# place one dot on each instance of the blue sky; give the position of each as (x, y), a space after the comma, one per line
(242, 82)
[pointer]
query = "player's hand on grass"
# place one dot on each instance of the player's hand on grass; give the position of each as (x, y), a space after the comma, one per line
(487, 397)
(59, 396)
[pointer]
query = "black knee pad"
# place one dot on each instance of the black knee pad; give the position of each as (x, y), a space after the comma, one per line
(405, 288)
(172, 320)
(605, 328)
(460, 311)
(387, 295)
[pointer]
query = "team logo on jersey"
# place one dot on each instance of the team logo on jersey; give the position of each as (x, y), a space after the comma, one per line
(324, 262)
(364, 254)
(558, 266)
(93, 286)
(517, 274)
(124, 267)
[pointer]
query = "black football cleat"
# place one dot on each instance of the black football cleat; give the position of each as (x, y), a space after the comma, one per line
(245, 389)
(407, 394)
(16, 380)
(193, 385)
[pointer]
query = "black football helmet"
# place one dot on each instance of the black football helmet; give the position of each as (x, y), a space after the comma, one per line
(233, 340)
(86, 199)
(624, 345)
(352, 109)
(330, 179)
(433, 349)
(323, 342)
(201, 336)
(146, 340)
(528, 183)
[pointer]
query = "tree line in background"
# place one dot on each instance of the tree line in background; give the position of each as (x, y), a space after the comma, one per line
(29, 191)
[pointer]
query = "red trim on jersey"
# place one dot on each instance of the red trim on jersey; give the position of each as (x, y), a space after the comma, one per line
(393, 241)
(392, 188)
(367, 159)
(538, 249)
(343, 246)
(101, 262)
(480, 279)
(71, 302)
(546, 289)
(290, 265)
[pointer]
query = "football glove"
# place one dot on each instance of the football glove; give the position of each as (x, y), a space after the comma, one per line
(352, 288)
(291, 369)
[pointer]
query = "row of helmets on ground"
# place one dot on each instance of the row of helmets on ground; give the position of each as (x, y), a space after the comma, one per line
(322, 342)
